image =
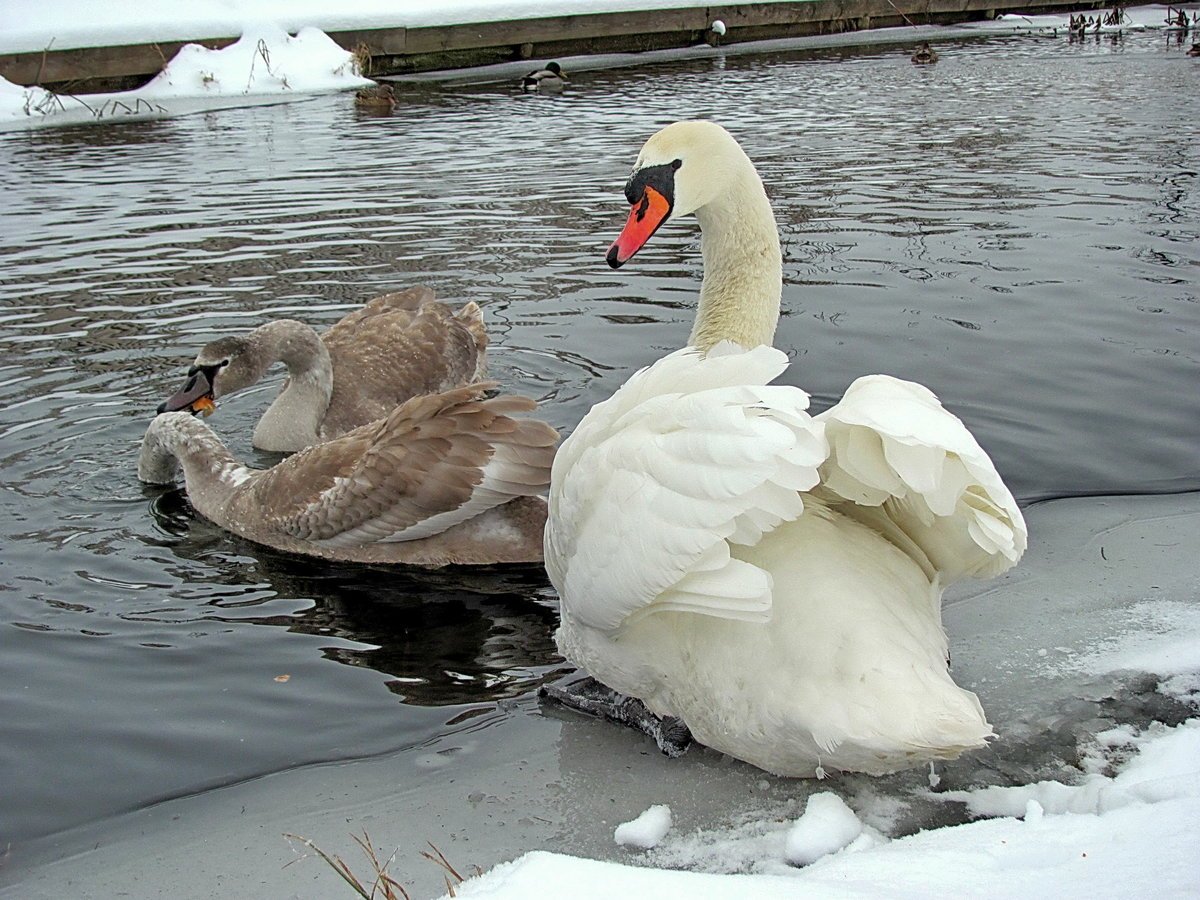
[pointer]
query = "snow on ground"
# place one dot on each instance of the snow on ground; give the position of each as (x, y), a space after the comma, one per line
(1131, 820)
(1157, 636)
(827, 826)
(265, 65)
(647, 830)
(1140, 18)
(1103, 838)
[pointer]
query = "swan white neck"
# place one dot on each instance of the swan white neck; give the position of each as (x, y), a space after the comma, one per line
(743, 268)
(294, 419)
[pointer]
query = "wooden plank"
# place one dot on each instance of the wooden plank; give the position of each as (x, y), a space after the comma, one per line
(89, 63)
(380, 41)
(554, 28)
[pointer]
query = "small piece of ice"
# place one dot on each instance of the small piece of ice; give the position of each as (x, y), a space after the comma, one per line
(1033, 811)
(646, 830)
(827, 826)
(1043, 652)
(934, 778)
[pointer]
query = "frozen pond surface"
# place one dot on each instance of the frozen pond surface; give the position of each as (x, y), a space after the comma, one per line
(1015, 227)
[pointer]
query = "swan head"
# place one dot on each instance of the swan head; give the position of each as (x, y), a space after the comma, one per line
(680, 170)
(222, 367)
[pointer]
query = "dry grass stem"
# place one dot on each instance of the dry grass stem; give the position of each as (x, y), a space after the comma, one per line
(384, 885)
(362, 59)
(438, 857)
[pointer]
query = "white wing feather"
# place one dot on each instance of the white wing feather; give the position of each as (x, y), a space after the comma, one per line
(690, 455)
(893, 446)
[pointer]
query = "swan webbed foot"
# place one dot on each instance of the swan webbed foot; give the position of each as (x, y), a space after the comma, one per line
(590, 696)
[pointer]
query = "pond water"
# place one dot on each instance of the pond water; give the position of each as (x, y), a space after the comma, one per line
(1015, 227)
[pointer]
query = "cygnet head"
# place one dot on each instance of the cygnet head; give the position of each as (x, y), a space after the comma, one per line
(222, 367)
(680, 170)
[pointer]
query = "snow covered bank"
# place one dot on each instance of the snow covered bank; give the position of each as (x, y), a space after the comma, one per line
(1138, 18)
(265, 65)
(31, 26)
(1104, 837)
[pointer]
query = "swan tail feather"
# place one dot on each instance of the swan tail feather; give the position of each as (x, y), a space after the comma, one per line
(895, 447)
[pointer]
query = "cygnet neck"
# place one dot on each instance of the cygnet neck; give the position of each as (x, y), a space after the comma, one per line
(294, 420)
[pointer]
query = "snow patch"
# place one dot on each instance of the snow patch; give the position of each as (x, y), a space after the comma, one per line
(827, 826)
(1070, 841)
(1159, 636)
(1166, 767)
(18, 104)
(646, 830)
(265, 65)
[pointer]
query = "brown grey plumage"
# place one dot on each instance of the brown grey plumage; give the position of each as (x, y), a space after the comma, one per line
(445, 478)
(398, 346)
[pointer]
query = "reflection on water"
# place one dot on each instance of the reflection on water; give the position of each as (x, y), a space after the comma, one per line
(450, 646)
(455, 636)
(1015, 227)
(450, 637)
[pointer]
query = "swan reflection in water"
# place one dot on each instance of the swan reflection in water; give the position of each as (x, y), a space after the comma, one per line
(446, 637)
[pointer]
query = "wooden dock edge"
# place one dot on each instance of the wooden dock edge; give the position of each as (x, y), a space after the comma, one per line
(392, 51)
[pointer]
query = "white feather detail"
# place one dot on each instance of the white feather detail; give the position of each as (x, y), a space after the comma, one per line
(895, 446)
(690, 455)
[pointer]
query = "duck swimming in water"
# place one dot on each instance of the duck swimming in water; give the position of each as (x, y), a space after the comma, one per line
(380, 98)
(549, 80)
(924, 55)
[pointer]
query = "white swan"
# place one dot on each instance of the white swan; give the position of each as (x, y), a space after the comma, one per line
(771, 578)
(398, 346)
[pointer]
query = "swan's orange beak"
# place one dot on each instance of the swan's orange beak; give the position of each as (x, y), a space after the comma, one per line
(644, 218)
